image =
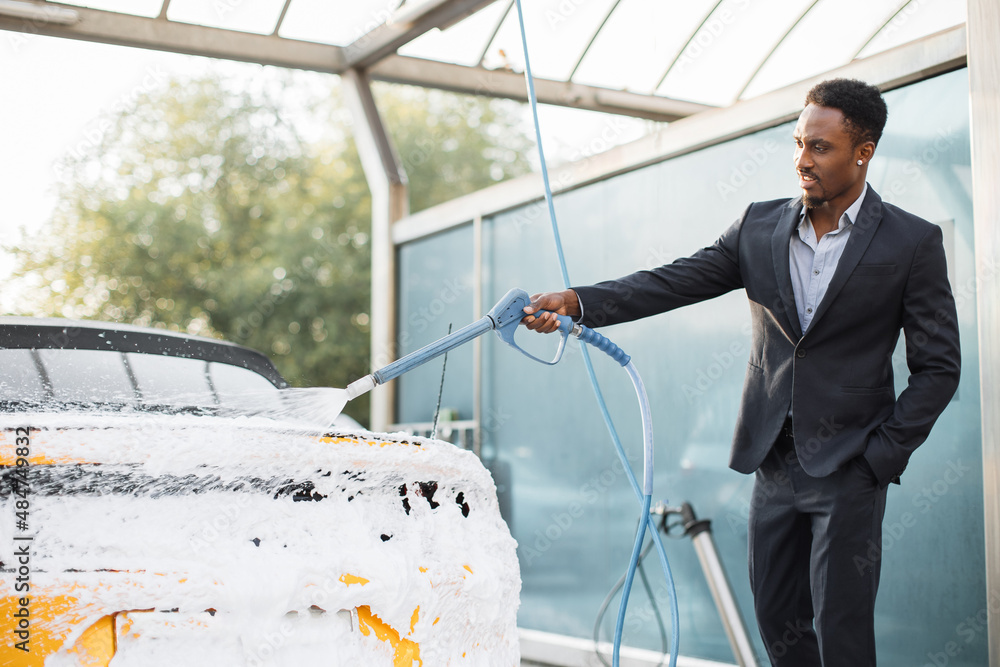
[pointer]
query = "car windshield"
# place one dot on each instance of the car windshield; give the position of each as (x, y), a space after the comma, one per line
(109, 378)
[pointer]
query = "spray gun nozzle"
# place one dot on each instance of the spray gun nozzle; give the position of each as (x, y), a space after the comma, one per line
(361, 386)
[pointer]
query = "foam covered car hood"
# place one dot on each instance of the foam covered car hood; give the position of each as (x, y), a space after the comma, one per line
(161, 538)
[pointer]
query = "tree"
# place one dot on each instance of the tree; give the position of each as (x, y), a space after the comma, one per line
(243, 214)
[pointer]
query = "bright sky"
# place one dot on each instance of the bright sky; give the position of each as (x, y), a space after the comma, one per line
(56, 91)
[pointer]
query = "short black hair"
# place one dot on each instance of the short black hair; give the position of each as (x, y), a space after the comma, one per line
(861, 103)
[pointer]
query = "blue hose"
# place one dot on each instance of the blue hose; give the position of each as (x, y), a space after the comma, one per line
(644, 494)
(640, 535)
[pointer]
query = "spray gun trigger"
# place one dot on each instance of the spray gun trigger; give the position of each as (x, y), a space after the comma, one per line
(507, 315)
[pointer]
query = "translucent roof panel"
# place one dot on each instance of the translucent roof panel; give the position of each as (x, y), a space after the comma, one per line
(834, 23)
(135, 7)
(464, 43)
(338, 23)
(917, 19)
(258, 16)
(558, 32)
(713, 52)
(639, 41)
(726, 50)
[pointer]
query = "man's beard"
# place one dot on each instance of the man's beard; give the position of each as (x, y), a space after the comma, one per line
(812, 201)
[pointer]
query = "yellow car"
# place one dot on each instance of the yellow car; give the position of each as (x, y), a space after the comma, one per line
(154, 514)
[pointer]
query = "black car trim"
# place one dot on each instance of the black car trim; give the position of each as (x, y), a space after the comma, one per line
(49, 337)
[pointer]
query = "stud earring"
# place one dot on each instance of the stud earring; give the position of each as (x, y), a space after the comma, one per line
(860, 163)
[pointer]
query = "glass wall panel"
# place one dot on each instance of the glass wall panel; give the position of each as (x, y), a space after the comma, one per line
(567, 500)
(933, 584)
(435, 291)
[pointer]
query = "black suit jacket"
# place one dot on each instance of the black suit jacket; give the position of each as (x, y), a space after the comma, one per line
(837, 379)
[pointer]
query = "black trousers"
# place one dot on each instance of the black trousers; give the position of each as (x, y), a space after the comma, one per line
(812, 570)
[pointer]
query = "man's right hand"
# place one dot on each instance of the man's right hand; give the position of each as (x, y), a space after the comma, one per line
(565, 302)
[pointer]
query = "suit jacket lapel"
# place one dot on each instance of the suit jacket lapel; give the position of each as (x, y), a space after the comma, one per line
(861, 236)
(784, 307)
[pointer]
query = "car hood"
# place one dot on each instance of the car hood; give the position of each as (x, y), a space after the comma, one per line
(239, 524)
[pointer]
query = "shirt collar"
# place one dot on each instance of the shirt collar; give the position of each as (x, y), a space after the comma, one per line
(851, 213)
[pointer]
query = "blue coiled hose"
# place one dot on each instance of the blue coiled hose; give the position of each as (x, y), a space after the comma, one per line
(588, 335)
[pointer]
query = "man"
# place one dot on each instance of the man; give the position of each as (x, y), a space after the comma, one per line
(832, 276)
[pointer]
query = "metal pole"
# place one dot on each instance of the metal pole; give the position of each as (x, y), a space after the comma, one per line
(983, 26)
(477, 344)
(387, 182)
(700, 532)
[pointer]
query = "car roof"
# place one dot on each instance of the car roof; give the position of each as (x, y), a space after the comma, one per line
(66, 334)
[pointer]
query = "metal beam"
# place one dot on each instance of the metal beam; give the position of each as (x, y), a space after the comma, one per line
(106, 27)
(921, 59)
(387, 182)
(984, 109)
(593, 38)
(405, 26)
(281, 17)
(506, 84)
(159, 34)
(495, 32)
(38, 12)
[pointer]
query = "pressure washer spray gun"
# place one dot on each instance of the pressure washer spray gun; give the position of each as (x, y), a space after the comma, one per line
(504, 318)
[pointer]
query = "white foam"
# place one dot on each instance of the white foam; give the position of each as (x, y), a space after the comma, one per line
(163, 509)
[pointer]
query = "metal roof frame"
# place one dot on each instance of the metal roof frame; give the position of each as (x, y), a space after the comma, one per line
(374, 52)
